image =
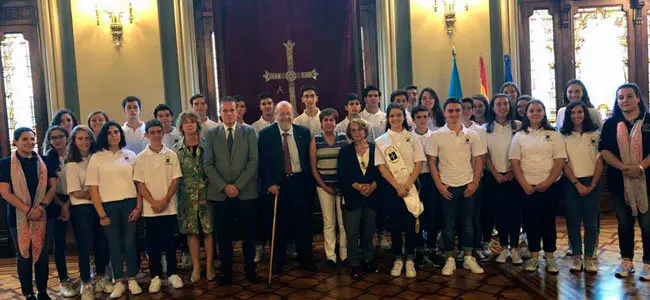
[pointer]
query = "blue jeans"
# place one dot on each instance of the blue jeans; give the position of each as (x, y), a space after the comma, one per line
(121, 237)
(26, 265)
(58, 236)
(89, 235)
(458, 212)
(583, 210)
(539, 211)
(626, 228)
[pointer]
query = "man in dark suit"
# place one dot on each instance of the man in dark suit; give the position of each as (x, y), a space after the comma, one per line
(285, 169)
(231, 163)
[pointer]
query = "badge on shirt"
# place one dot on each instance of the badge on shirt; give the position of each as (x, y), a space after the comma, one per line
(547, 138)
(392, 155)
(467, 141)
(168, 160)
(593, 141)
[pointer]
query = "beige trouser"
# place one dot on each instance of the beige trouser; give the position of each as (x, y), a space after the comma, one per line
(331, 208)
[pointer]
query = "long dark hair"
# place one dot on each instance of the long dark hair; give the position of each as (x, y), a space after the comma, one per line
(102, 137)
(47, 144)
(587, 125)
(618, 113)
(56, 120)
(585, 94)
(526, 123)
(405, 124)
(516, 108)
(74, 155)
(492, 116)
(483, 99)
(437, 111)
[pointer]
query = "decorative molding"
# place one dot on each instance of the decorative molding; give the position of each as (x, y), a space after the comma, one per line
(386, 46)
(186, 48)
(21, 14)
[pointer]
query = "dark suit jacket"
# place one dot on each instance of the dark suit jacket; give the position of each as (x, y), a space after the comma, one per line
(349, 172)
(271, 155)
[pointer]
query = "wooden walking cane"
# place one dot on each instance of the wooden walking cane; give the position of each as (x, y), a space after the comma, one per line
(275, 215)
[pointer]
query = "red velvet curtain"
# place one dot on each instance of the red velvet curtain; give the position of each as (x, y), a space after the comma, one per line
(251, 34)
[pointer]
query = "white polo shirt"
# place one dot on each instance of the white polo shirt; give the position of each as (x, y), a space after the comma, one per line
(157, 171)
(207, 125)
(313, 123)
(498, 144)
(261, 124)
(171, 138)
(455, 152)
(75, 179)
(113, 173)
(537, 151)
(135, 139)
(482, 133)
(582, 152)
(375, 119)
(409, 147)
(423, 139)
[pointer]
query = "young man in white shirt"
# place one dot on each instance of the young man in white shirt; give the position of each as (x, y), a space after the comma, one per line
(481, 207)
(199, 105)
(456, 162)
(165, 115)
(412, 92)
(372, 113)
(267, 118)
(399, 97)
(157, 172)
(240, 102)
(310, 117)
(133, 127)
(353, 107)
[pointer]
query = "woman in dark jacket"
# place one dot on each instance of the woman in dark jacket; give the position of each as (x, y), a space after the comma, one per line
(358, 178)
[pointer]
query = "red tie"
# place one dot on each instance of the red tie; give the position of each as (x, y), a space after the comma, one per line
(287, 154)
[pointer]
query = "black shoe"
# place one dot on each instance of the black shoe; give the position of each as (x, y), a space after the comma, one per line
(369, 267)
(309, 267)
(252, 277)
(43, 296)
(355, 273)
(277, 269)
(330, 265)
(419, 259)
(225, 280)
(437, 260)
(31, 297)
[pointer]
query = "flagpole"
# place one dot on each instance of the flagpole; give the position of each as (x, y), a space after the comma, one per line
(453, 52)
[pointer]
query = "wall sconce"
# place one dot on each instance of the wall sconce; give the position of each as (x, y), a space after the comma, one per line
(450, 13)
(115, 10)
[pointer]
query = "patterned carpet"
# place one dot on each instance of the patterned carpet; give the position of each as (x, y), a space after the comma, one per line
(499, 281)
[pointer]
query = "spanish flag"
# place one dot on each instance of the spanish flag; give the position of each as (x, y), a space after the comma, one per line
(483, 75)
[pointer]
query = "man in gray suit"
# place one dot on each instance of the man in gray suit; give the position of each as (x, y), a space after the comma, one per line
(231, 162)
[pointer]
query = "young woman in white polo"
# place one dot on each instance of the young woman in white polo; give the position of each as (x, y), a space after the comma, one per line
(537, 155)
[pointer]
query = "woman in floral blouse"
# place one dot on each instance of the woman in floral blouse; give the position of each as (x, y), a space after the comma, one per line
(194, 212)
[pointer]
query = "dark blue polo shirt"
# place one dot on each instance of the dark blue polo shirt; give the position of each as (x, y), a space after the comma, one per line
(608, 142)
(30, 167)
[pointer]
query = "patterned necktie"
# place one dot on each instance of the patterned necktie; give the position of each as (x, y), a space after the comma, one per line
(287, 154)
(230, 140)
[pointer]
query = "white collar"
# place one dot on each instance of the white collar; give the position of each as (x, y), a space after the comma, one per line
(446, 128)
(162, 151)
(290, 131)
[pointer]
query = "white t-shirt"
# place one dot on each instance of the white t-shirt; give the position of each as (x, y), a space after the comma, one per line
(423, 139)
(593, 113)
(113, 173)
(454, 153)
(135, 139)
(313, 123)
(409, 147)
(582, 152)
(171, 138)
(157, 171)
(206, 126)
(261, 124)
(537, 151)
(375, 119)
(498, 144)
(75, 179)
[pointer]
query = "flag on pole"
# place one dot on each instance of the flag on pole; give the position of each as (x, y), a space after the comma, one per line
(508, 64)
(455, 90)
(483, 76)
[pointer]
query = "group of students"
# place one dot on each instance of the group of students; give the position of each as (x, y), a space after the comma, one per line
(429, 172)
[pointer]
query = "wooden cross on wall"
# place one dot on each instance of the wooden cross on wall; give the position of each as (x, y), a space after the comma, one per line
(290, 75)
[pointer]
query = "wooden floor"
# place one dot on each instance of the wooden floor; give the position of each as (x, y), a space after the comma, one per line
(499, 282)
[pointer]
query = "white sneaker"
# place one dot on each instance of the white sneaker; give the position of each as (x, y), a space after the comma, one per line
(577, 265)
(154, 287)
(259, 253)
(591, 265)
(410, 269)
(67, 289)
(104, 285)
(397, 268)
(552, 267)
(383, 242)
(503, 256)
(525, 252)
(87, 292)
(118, 290)
(469, 262)
(175, 281)
(515, 257)
(450, 267)
(134, 287)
